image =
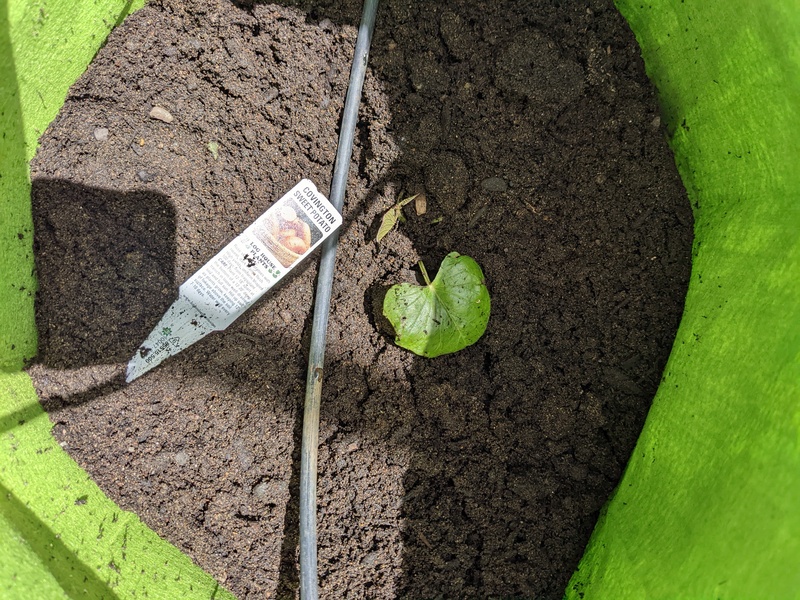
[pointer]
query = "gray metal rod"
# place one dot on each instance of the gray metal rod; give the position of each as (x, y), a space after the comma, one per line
(319, 329)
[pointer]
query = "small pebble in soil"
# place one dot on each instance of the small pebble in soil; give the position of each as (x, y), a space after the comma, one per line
(101, 134)
(162, 114)
(494, 184)
(421, 204)
(271, 489)
(271, 94)
(144, 176)
(261, 490)
(370, 559)
(182, 459)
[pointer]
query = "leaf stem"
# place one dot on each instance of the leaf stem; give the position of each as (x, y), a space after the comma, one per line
(424, 273)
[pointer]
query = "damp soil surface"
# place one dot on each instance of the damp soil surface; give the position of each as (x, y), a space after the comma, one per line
(532, 132)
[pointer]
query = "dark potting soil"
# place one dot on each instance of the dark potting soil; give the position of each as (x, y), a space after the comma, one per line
(534, 135)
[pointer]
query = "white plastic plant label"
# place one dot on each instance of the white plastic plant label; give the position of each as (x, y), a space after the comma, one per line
(229, 284)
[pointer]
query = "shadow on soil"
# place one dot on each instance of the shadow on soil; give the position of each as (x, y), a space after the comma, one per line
(511, 446)
(105, 264)
(515, 444)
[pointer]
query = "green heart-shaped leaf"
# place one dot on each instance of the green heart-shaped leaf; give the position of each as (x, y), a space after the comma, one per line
(444, 316)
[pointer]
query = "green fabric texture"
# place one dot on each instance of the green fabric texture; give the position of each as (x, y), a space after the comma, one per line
(44, 47)
(60, 536)
(709, 506)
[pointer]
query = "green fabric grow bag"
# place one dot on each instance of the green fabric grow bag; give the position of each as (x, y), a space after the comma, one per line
(709, 506)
